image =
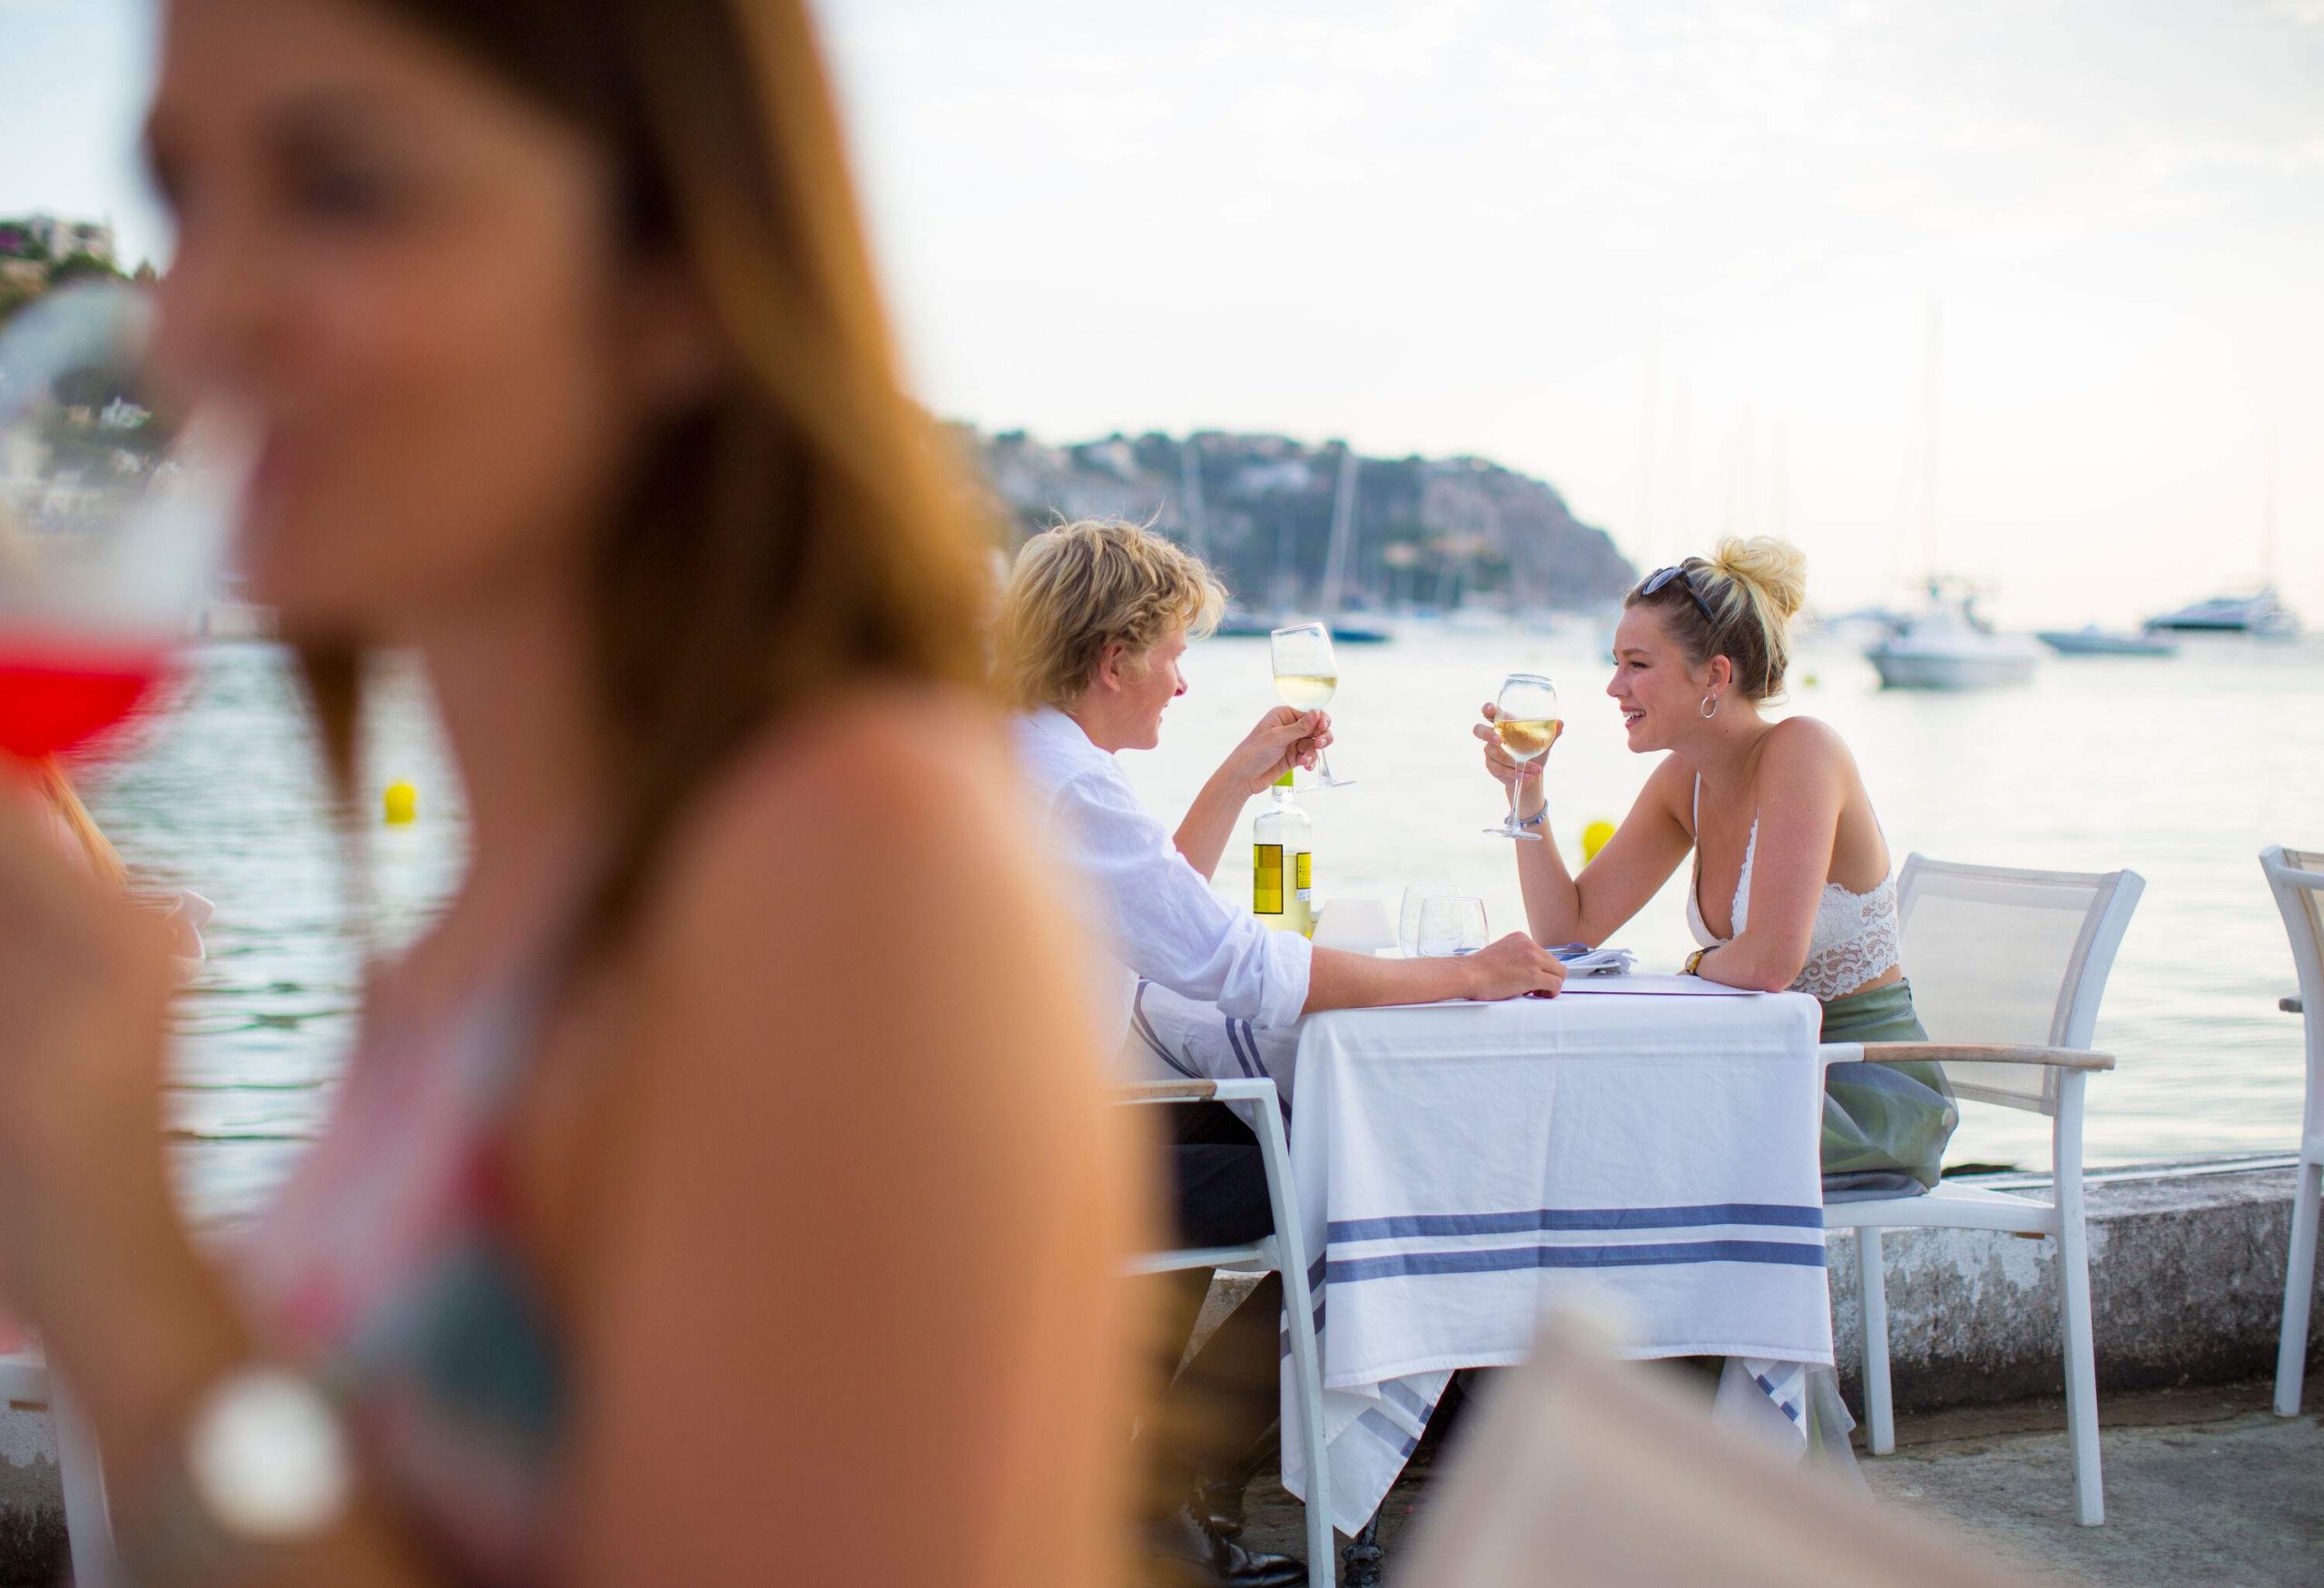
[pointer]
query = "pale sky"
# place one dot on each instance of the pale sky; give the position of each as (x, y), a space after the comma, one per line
(1677, 258)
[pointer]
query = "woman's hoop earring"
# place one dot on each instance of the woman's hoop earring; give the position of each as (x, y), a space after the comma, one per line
(1710, 707)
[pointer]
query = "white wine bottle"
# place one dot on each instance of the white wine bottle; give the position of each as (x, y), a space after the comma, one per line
(1283, 864)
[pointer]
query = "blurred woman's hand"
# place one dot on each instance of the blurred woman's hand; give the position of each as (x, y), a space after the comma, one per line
(85, 977)
(1281, 740)
(1505, 768)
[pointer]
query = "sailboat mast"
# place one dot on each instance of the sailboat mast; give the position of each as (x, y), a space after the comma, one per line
(2268, 512)
(1932, 385)
(1190, 504)
(1342, 532)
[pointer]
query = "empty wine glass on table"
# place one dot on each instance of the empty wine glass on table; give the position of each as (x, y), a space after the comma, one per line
(1408, 915)
(1450, 925)
(1306, 675)
(112, 519)
(1525, 717)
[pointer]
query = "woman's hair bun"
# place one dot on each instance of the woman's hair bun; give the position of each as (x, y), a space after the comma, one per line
(1775, 570)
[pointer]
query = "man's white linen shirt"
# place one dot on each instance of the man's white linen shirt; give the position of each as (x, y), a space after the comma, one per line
(1157, 914)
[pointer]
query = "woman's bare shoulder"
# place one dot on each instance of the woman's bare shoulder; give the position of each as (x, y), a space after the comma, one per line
(1807, 744)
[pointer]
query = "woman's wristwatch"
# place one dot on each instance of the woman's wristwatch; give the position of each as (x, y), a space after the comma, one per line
(264, 1463)
(1695, 964)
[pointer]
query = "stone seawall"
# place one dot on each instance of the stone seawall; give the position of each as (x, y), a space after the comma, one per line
(2186, 1285)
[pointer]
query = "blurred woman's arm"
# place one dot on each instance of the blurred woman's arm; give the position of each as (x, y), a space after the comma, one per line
(853, 1313)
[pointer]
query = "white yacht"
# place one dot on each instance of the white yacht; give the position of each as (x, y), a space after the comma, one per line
(1947, 645)
(2261, 612)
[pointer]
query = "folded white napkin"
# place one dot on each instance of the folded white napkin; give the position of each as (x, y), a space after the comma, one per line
(1580, 960)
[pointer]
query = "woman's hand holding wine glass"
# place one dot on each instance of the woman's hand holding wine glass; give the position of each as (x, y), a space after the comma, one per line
(1518, 730)
(1507, 770)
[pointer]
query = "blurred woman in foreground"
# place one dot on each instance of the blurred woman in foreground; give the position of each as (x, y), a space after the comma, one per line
(720, 1192)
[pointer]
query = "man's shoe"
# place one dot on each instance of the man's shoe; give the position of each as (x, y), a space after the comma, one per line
(1181, 1551)
(1220, 1505)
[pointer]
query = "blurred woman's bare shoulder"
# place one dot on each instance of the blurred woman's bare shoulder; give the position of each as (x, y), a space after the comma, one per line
(878, 756)
(884, 814)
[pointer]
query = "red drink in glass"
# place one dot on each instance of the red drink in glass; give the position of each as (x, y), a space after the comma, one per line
(55, 695)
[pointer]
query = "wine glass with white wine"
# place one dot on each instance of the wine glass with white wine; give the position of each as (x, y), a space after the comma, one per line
(1306, 675)
(1525, 717)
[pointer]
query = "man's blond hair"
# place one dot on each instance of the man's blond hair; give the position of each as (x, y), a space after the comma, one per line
(1081, 588)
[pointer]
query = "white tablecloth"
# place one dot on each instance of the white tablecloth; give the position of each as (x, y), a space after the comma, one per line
(1461, 1166)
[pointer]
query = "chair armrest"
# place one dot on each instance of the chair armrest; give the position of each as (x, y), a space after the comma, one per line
(1984, 1053)
(1167, 1091)
(2289, 1005)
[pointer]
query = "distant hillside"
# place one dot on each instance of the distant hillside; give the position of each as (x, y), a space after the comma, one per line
(1429, 532)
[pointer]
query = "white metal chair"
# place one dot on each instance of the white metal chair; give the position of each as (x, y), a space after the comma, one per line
(2297, 878)
(25, 1381)
(2007, 969)
(1285, 1253)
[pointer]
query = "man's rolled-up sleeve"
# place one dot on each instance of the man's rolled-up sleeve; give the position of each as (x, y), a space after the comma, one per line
(1167, 923)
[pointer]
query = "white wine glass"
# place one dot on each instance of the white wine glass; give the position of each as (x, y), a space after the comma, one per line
(112, 517)
(1525, 717)
(1306, 675)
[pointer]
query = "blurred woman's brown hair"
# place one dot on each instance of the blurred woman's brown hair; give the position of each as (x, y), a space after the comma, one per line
(798, 530)
(65, 803)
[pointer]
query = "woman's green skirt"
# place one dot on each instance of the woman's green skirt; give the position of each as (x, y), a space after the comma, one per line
(1884, 1125)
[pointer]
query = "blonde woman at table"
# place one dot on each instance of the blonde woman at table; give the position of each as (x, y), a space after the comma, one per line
(1093, 623)
(1790, 888)
(687, 1213)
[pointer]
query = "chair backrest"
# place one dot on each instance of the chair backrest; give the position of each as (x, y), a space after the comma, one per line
(1997, 954)
(2296, 877)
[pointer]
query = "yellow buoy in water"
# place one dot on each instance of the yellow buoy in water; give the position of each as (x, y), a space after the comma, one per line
(402, 803)
(1593, 839)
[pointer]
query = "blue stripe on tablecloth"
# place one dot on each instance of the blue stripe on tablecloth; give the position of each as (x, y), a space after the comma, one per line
(1400, 1265)
(1246, 1056)
(1788, 1408)
(1388, 1433)
(1780, 1214)
(1418, 1409)
(1145, 1028)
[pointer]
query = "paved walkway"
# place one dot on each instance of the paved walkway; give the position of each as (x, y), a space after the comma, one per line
(2205, 1488)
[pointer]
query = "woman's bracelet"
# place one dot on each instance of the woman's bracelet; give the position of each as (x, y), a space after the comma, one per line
(1695, 962)
(1536, 819)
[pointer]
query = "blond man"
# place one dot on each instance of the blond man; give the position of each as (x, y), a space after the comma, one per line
(1092, 624)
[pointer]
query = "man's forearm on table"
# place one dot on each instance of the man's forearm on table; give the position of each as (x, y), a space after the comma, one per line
(1339, 980)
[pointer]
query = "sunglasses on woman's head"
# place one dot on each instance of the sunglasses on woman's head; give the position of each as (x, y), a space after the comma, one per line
(1656, 580)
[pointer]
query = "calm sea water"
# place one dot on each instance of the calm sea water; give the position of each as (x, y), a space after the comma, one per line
(2182, 770)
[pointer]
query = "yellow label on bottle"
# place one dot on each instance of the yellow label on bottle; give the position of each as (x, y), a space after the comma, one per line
(1267, 879)
(1303, 872)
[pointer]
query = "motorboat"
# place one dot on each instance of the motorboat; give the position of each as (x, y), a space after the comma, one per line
(2262, 612)
(1947, 645)
(2094, 641)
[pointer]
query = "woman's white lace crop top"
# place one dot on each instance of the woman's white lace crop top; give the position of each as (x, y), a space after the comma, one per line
(1855, 938)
